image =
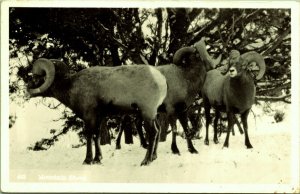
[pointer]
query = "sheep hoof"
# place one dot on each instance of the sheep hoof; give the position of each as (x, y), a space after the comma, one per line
(97, 160)
(176, 152)
(206, 142)
(216, 141)
(249, 146)
(154, 157)
(175, 149)
(225, 145)
(193, 151)
(145, 162)
(87, 162)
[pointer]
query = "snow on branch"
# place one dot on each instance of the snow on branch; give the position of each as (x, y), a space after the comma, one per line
(285, 98)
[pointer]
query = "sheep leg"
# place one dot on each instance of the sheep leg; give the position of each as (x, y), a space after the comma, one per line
(89, 151)
(244, 117)
(217, 116)
(152, 133)
(157, 127)
(208, 120)
(174, 147)
(239, 125)
(232, 130)
(184, 123)
(220, 130)
(140, 132)
(229, 128)
(118, 141)
(98, 154)
(92, 121)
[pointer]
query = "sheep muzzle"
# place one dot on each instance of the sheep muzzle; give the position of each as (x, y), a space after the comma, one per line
(232, 72)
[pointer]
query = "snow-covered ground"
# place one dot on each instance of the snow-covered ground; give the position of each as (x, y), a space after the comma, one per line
(269, 162)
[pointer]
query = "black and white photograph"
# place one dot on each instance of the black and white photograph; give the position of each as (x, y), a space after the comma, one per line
(150, 96)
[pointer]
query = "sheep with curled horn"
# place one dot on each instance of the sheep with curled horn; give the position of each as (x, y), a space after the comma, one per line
(96, 92)
(185, 79)
(233, 93)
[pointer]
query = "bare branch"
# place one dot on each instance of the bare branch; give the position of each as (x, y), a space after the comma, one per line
(113, 38)
(251, 14)
(284, 98)
(194, 13)
(274, 89)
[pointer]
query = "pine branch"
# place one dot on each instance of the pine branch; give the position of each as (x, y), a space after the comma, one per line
(46, 143)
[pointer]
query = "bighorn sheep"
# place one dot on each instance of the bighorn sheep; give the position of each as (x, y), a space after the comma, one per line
(185, 78)
(95, 92)
(233, 92)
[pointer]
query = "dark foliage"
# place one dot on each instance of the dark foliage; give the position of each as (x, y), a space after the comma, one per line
(84, 37)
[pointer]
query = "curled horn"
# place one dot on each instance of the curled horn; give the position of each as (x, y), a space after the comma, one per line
(201, 48)
(177, 59)
(40, 67)
(253, 56)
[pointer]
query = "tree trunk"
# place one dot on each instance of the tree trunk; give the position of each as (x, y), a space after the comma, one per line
(179, 24)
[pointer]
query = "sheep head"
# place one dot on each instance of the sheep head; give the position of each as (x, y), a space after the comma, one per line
(196, 53)
(246, 62)
(44, 72)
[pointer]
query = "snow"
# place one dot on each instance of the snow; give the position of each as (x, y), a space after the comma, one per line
(269, 162)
